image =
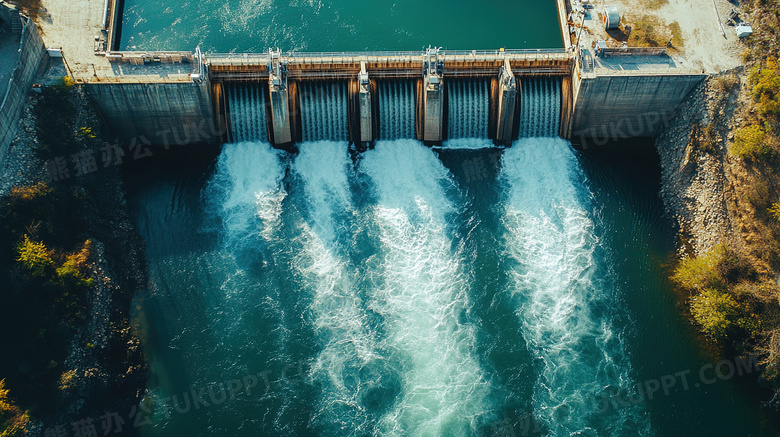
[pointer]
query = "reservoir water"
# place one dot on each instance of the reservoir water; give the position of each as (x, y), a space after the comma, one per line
(338, 25)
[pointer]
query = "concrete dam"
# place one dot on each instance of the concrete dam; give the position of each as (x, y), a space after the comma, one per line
(431, 95)
(385, 98)
(285, 98)
(166, 97)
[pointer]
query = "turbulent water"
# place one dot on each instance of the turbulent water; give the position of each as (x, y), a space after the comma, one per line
(423, 293)
(565, 297)
(401, 292)
(383, 282)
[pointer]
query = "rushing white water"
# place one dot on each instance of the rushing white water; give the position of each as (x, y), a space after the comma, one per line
(247, 187)
(349, 346)
(469, 105)
(564, 305)
(540, 107)
(423, 293)
(246, 104)
(324, 110)
(396, 109)
(467, 144)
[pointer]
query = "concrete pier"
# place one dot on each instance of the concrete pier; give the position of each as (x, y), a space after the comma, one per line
(507, 105)
(365, 105)
(281, 132)
(567, 107)
(433, 98)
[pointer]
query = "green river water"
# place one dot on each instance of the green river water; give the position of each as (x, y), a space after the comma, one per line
(409, 290)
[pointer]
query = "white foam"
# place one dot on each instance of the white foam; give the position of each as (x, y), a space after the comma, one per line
(467, 144)
(422, 295)
(337, 310)
(563, 306)
(247, 186)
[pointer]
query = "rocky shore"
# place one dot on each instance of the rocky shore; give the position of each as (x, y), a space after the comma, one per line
(105, 369)
(697, 184)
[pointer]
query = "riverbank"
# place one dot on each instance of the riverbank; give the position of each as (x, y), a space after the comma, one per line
(99, 365)
(697, 187)
(720, 199)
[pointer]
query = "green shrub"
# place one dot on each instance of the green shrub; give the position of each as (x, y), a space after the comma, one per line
(12, 419)
(765, 80)
(34, 256)
(700, 273)
(87, 132)
(774, 210)
(714, 310)
(68, 274)
(750, 142)
(67, 380)
(72, 271)
(30, 192)
(64, 84)
(727, 301)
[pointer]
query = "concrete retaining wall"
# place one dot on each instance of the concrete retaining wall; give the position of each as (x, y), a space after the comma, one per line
(32, 59)
(158, 113)
(612, 107)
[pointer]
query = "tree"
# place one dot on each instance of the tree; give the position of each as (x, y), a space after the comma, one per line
(72, 270)
(34, 256)
(751, 142)
(715, 311)
(766, 87)
(12, 419)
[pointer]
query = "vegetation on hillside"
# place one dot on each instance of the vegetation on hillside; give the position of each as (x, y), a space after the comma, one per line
(730, 301)
(734, 294)
(46, 253)
(12, 419)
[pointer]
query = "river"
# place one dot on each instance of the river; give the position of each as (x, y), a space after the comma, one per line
(408, 290)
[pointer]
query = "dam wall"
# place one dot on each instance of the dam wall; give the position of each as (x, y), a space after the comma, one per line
(626, 92)
(611, 107)
(185, 98)
(192, 98)
(158, 113)
(434, 95)
(159, 98)
(32, 57)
